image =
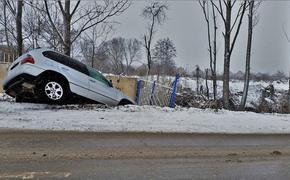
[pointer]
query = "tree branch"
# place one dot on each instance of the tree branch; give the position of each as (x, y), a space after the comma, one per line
(75, 8)
(112, 12)
(219, 9)
(61, 8)
(238, 29)
(237, 17)
(51, 22)
(285, 33)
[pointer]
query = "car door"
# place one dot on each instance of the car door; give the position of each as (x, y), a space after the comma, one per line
(104, 92)
(76, 77)
(75, 72)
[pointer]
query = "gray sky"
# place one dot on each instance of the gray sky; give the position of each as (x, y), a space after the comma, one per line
(186, 27)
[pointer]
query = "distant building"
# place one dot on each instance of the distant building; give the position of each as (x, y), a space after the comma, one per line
(7, 56)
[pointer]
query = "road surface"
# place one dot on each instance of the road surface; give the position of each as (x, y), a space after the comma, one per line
(83, 155)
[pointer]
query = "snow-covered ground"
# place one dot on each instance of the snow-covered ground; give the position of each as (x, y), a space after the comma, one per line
(137, 119)
(236, 88)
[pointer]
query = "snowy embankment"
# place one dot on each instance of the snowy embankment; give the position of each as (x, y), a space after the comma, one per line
(236, 87)
(137, 119)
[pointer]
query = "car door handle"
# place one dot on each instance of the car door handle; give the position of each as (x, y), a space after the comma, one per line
(92, 81)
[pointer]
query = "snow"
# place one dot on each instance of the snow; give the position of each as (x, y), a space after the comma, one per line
(5, 97)
(146, 118)
(254, 93)
(137, 119)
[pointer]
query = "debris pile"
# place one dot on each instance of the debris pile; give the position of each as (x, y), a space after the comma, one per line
(269, 100)
(189, 98)
(272, 101)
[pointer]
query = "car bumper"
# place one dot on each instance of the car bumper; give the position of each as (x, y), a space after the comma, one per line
(14, 86)
(20, 70)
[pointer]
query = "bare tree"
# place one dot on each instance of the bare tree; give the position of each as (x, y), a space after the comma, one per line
(19, 27)
(4, 20)
(48, 34)
(81, 17)
(251, 15)
(288, 40)
(197, 75)
(22, 25)
(231, 27)
(164, 53)
(34, 26)
(121, 53)
(206, 83)
(132, 52)
(114, 50)
(91, 43)
(156, 15)
(95, 56)
(15, 10)
(211, 22)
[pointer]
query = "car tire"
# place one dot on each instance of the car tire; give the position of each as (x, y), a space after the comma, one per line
(54, 91)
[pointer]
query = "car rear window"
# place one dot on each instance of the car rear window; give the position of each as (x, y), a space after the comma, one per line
(66, 60)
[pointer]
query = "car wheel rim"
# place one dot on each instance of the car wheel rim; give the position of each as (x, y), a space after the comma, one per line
(53, 90)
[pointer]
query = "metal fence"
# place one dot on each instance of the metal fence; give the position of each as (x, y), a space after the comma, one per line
(159, 94)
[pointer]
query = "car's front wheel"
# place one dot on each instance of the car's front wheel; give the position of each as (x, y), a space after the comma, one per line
(54, 91)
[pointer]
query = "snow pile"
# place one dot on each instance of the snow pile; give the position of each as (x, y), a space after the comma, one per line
(5, 97)
(138, 119)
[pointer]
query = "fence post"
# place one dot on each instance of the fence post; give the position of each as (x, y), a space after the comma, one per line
(138, 95)
(172, 99)
(152, 92)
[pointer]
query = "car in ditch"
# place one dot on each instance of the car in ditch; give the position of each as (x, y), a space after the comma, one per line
(44, 75)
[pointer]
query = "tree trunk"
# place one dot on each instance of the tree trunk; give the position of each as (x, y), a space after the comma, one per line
(148, 45)
(5, 23)
(19, 27)
(214, 82)
(93, 55)
(212, 51)
(248, 57)
(206, 84)
(214, 78)
(227, 56)
(289, 94)
(197, 80)
(67, 28)
(149, 61)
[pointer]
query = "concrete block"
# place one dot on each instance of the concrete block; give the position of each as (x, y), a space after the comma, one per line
(3, 72)
(127, 85)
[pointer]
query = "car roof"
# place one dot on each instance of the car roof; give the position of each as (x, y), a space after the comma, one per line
(40, 49)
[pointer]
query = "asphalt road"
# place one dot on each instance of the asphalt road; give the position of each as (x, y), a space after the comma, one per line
(76, 155)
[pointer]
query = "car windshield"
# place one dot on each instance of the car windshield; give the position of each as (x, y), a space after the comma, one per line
(98, 76)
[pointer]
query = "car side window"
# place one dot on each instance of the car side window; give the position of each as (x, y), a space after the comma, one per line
(66, 60)
(98, 76)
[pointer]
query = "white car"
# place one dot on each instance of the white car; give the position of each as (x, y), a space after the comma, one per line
(44, 75)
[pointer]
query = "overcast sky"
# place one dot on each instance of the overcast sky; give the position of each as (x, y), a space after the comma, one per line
(185, 26)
